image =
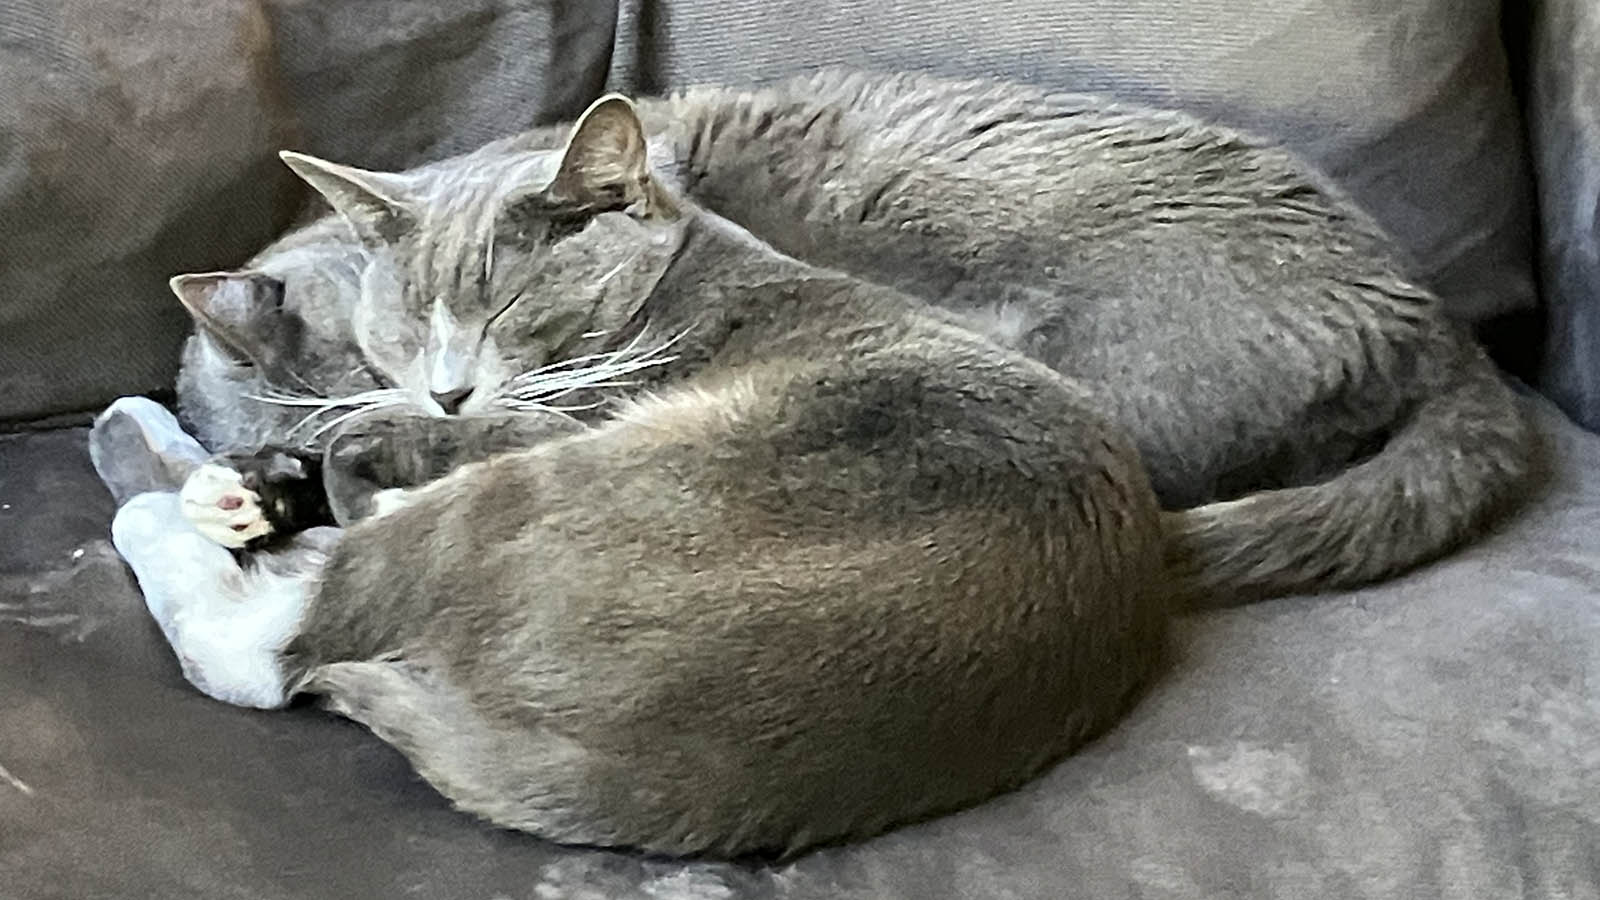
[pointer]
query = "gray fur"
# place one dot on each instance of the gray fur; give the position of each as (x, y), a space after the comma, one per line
(1234, 312)
(842, 564)
(877, 538)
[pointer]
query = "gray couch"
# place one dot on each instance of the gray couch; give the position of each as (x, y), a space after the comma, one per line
(1435, 736)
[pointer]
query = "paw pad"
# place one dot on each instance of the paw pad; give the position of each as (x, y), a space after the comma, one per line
(220, 507)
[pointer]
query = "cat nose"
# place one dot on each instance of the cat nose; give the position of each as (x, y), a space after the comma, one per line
(450, 401)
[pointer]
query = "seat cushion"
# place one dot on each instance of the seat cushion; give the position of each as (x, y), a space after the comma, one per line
(1435, 736)
(1406, 104)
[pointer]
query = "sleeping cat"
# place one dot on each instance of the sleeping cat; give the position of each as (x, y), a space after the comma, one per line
(1248, 326)
(838, 563)
(854, 555)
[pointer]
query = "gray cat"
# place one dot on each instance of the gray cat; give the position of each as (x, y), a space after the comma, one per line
(841, 564)
(835, 472)
(1236, 314)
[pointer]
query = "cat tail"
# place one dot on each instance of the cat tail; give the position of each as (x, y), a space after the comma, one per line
(1461, 456)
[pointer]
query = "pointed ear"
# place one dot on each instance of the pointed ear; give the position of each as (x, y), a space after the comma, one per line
(376, 204)
(604, 165)
(238, 309)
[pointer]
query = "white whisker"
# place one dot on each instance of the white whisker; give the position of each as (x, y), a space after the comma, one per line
(327, 402)
(364, 401)
(528, 407)
(591, 371)
(618, 268)
(352, 414)
(576, 360)
(564, 364)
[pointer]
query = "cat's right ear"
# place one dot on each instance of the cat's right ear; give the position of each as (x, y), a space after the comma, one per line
(604, 164)
(236, 309)
(375, 204)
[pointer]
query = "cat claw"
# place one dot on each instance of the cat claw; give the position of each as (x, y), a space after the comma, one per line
(219, 506)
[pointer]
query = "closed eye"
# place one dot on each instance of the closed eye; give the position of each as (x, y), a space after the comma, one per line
(515, 299)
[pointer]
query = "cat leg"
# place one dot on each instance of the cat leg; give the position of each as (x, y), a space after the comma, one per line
(249, 500)
(136, 445)
(239, 500)
(398, 449)
(227, 623)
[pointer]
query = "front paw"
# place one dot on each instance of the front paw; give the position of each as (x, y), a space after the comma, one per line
(137, 446)
(217, 503)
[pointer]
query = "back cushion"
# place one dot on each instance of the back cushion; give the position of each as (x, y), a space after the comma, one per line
(1406, 103)
(138, 139)
(1565, 86)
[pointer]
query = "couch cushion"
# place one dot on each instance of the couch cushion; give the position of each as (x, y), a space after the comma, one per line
(138, 140)
(1407, 104)
(1431, 737)
(1565, 120)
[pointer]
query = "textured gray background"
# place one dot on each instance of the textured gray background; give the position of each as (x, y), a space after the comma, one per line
(1565, 118)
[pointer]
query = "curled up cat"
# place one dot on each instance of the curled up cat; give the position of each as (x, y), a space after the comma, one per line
(724, 532)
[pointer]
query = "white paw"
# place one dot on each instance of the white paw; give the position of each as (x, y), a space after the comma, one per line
(137, 446)
(220, 507)
(160, 428)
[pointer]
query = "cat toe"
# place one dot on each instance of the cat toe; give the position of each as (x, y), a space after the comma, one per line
(220, 507)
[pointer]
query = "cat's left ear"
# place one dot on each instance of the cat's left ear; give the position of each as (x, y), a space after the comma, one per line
(605, 164)
(240, 310)
(376, 204)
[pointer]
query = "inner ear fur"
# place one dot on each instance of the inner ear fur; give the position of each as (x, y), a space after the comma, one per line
(376, 204)
(605, 164)
(238, 309)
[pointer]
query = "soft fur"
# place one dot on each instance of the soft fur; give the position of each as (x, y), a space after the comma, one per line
(844, 565)
(1250, 328)
(872, 533)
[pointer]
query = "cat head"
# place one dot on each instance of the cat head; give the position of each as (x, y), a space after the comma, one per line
(471, 274)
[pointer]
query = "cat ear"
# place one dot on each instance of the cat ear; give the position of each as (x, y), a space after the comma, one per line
(235, 308)
(604, 165)
(374, 203)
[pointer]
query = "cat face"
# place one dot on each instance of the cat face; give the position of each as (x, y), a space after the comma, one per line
(470, 277)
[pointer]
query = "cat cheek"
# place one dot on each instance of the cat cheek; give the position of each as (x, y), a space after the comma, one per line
(392, 353)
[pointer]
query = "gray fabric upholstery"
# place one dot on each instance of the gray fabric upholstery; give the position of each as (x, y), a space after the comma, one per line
(138, 140)
(1565, 123)
(1407, 104)
(1438, 736)
(1435, 737)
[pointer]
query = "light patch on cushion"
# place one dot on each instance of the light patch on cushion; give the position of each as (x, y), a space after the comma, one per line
(1253, 777)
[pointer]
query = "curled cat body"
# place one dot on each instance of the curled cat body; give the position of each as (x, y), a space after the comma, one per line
(1307, 414)
(839, 563)
(866, 524)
